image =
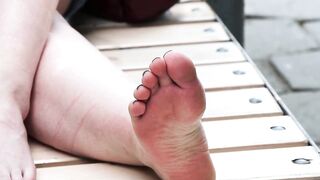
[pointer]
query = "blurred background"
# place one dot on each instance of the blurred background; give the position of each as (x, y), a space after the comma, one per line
(283, 39)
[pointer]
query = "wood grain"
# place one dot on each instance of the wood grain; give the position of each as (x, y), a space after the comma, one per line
(133, 37)
(98, 171)
(255, 164)
(201, 54)
(253, 133)
(219, 77)
(233, 104)
(267, 164)
(45, 156)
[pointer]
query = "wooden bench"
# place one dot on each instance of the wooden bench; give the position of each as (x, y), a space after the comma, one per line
(251, 133)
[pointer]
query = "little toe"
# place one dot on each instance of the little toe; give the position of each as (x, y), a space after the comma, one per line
(159, 68)
(136, 109)
(180, 69)
(142, 93)
(29, 173)
(16, 174)
(149, 80)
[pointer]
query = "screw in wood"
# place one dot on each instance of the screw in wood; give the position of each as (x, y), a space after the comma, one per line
(209, 30)
(255, 101)
(278, 128)
(195, 9)
(301, 161)
(239, 72)
(222, 50)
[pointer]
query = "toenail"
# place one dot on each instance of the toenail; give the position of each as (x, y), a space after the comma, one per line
(166, 53)
(139, 86)
(135, 101)
(145, 72)
(155, 59)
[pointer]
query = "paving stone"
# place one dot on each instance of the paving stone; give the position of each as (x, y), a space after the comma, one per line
(271, 36)
(305, 107)
(300, 70)
(273, 77)
(314, 29)
(295, 9)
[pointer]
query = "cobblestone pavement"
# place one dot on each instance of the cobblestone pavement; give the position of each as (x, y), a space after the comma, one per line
(283, 39)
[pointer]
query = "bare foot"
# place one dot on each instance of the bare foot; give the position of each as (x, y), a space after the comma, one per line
(166, 119)
(15, 157)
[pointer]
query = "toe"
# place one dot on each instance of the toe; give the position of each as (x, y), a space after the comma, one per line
(16, 174)
(142, 93)
(159, 68)
(180, 69)
(29, 173)
(149, 80)
(136, 109)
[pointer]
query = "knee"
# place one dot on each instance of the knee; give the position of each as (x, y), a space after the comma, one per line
(129, 11)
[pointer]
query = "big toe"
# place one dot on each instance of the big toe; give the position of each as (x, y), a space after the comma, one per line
(180, 69)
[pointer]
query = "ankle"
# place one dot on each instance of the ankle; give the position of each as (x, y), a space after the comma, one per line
(12, 107)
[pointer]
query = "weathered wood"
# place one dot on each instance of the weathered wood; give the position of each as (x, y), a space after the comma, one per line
(233, 104)
(45, 156)
(267, 164)
(133, 37)
(201, 54)
(218, 77)
(253, 133)
(98, 171)
(255, 164)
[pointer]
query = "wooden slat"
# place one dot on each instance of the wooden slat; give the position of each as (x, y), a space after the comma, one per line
(99, 171)
(179, 13)
(267, 164)
(188, 12)
(255, 164)
(45, 156)
(211, 76)
(156, 35)
(236, 104)
(253, 133)
(205, 53)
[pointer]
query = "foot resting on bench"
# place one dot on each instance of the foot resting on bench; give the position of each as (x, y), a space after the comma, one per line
(166, 119)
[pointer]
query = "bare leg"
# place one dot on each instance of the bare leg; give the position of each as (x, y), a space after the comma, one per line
(80, 100)
(25, 26)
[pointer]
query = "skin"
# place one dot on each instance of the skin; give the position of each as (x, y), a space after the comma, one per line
(73, 88)
(19, 61)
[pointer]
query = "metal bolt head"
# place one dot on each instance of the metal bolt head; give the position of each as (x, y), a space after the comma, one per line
(222, 50)
(238, 72)
(301, 161)
(195, 9)
(278, 128)
(255, 101)
(209, 30)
